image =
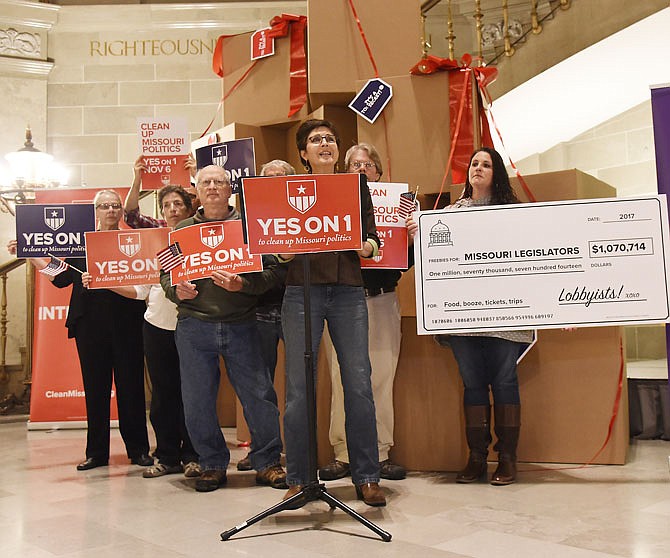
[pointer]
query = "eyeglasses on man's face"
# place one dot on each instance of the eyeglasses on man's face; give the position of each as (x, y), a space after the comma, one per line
(106, 205)
(217, 183)
(318, 139)
(362, 165)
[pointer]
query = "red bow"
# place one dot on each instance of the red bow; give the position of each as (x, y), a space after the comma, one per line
(460, 105)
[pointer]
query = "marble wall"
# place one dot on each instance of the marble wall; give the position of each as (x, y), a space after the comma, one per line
(114, 64)
(81, 75)
(619, 152)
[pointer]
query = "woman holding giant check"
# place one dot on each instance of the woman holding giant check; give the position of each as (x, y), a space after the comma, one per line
(487, 360)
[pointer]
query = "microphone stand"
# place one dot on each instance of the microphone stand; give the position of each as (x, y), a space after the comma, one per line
(313, 490)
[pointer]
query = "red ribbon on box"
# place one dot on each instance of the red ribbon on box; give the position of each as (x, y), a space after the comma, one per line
(461, 112)
(460, 105)
(280, 26)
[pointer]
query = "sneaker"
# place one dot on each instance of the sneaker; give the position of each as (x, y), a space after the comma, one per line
(160, 470)
(335, 470)
(391, 471)
(210, 480)
(192, 469)
(273, 476)
(244, 464)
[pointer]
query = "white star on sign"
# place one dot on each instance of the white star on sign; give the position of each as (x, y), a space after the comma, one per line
(301, 189)
(54, 214)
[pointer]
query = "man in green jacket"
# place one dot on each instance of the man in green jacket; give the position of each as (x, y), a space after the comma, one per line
(217, 316)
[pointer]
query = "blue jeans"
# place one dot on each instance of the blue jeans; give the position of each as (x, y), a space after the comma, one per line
(270, 332)
(345, 310)
(199, 344)
(484, 362)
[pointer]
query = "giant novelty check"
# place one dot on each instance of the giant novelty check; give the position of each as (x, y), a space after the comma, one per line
(543, 265)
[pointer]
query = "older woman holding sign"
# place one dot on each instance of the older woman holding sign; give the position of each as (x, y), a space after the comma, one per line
(337, 297)
(487, 360)
(174, 450)
(107, 329)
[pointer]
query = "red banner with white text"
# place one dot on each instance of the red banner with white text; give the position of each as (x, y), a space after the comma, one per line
(57, 391)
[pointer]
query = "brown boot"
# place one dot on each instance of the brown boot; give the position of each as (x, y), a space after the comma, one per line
(478, 436)
(507, 424)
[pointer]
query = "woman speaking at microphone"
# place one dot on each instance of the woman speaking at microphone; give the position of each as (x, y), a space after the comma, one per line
(337, 297)
(107, 329)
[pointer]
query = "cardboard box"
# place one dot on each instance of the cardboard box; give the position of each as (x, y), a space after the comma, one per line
(568, 384)
(263, 98)
(571, 184)
(337, 57)
(269, 142)
(417, 121)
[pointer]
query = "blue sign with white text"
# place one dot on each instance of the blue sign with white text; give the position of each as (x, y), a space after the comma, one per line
(54, 229)
(236, 156)
(372, 99)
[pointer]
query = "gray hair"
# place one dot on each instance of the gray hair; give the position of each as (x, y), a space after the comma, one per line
(370, 150)
(287, 168)
(102, 192)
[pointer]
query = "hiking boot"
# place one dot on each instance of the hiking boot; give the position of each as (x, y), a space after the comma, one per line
(273, 476)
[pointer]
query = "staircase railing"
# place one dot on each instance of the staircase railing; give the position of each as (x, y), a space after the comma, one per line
(503, 31)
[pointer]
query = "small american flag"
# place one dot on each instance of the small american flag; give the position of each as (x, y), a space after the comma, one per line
(170, 257)
(407, 204)
(54, 267)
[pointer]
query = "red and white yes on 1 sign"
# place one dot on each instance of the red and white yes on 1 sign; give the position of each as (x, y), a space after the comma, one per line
(123, 257)
(262, 44)
(303, 213)
(210, 247)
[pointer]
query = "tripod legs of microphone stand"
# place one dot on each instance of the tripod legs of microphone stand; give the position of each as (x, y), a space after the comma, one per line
(309, 493)
(313, 490)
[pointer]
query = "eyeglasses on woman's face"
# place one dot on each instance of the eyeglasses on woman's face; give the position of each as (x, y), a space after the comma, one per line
(318, 139)
(107, 205)
(357, 165)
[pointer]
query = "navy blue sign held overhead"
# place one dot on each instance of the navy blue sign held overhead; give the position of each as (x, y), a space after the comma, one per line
(372, 99)
(236, 156)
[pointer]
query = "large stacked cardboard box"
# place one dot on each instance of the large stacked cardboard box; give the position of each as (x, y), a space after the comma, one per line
(569, 380)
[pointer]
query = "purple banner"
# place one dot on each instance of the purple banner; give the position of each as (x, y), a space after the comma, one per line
(56, 229)
(236, 156)
(660, 110)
